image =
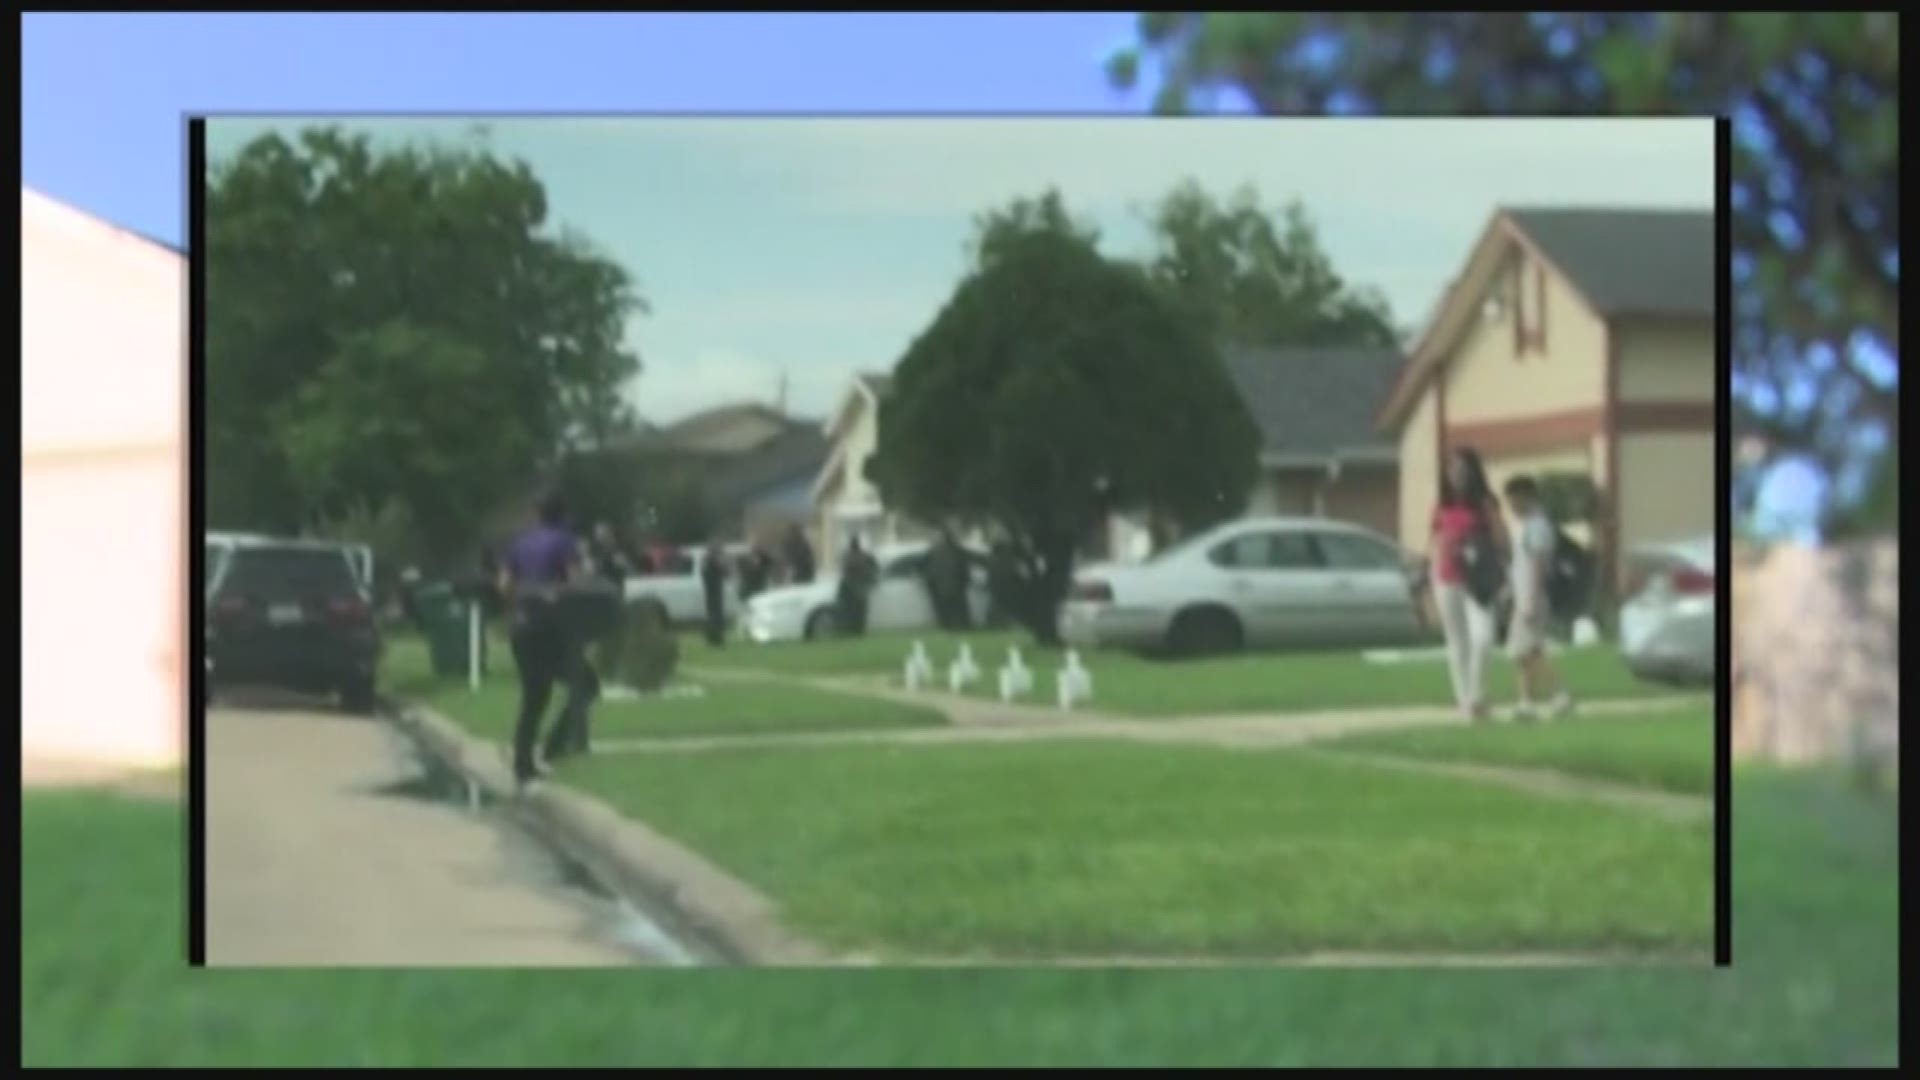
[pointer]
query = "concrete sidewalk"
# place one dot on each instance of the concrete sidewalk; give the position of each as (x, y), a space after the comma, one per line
(309, 863)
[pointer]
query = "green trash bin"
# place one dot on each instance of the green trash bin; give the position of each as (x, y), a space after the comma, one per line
(443, 619)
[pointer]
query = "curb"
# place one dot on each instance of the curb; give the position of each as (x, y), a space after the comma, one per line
(727, 921)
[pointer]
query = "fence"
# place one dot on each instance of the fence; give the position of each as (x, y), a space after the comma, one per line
(1815, 650)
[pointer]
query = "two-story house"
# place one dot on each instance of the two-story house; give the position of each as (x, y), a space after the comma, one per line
(1574, 340)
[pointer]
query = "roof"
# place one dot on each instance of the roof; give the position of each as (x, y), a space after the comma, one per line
(1630, 262)
(798, 452)
(1622, 263)
(1318, 402)
(877, 383)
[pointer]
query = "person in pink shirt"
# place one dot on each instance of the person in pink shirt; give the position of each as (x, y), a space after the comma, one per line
(1466, 554)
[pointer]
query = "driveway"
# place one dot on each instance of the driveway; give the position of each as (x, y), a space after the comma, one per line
(321, 850)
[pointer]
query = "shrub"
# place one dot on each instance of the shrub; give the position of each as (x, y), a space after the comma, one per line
(642, 651)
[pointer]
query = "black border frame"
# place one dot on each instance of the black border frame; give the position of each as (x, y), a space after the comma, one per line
(196, 545)
(1723, 545)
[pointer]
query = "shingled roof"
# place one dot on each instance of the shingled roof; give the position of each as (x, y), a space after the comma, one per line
(1315, 402)
(1630, 262)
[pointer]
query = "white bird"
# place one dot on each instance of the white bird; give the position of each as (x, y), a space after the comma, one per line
(1074, 683)
(963, 671)
(919, 669)
(1015, 679)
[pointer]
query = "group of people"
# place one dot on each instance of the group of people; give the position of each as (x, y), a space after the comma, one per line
(1485, 574)
(757, 569)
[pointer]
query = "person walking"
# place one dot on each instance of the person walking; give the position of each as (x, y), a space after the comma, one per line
(539, 562)
(1534, 544)
(1466, 554)
(713, 579)
(799, 557)
(858, 575)
(756, 572)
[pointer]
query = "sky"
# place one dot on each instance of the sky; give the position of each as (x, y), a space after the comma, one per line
(807, 250)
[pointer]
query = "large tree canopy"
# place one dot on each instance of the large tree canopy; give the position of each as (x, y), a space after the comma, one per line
(1255, 277)
(1815, 204)
(1055, 386)
(396, 327)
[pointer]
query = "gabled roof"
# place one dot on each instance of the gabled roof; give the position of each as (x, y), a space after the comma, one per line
(1623, 263)
(1630, 262)
(1317, 402)
(796, 453)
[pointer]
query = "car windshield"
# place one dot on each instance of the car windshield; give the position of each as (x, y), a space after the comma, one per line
(273, 571)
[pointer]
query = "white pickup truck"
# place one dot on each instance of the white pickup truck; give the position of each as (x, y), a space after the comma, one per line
(678, 594)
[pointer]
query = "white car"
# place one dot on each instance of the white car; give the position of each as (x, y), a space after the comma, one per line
(899, 602)
(679, 593)
(1253, 583)
(1668, 620)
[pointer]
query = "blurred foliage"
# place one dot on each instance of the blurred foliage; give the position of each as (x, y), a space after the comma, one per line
(396, 324)
(1023, 404)
(1258, 277)
(1815, 206)
(388, 530)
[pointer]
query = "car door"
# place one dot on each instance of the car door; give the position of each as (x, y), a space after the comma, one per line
(900, 600)
(1371, 599)
(1275, 583)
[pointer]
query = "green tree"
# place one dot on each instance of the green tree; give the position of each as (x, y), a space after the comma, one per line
(396, 325)
(1815, 204)
(1252, 276)
(1023, 405)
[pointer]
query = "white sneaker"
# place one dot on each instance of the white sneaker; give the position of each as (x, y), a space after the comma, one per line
(1526, 712)
(1561, 706)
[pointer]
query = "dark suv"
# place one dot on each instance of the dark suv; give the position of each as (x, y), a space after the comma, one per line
(294, 616)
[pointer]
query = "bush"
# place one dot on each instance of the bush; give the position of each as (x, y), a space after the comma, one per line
(642, 651)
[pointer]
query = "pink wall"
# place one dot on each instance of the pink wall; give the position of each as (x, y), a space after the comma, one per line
(102, 547)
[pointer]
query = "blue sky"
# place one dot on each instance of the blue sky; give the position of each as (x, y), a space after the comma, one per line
(809, 248)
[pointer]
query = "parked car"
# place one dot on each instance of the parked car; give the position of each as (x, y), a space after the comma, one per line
(218, 546)
(292, 614)
(899, 603)
(678, 593)
(1253, 583)
(1668, 617)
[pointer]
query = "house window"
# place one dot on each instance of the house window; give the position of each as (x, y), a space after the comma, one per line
(1530, 308)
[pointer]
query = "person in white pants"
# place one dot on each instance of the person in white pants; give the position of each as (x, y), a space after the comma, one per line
(1468, 514)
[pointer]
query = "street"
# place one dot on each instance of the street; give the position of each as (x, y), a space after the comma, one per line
(326, 847)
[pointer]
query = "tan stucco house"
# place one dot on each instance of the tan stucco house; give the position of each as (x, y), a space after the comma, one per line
(845, 502)
(1573, 341)
(103, 520)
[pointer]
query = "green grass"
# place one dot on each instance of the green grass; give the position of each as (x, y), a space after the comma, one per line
(1076, 849)
(1132, 686)
(722, 709)
(1816, 983)
(1666, 748)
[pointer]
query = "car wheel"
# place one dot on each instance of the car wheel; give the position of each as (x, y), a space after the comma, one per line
(1205, 632)
(821, 624)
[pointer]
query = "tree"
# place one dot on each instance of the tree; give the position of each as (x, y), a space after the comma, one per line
(1815, 204)
(1054, 387)
(1253, 277)
(396, 325)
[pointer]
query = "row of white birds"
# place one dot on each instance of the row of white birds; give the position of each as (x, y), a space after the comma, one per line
(1073, 683)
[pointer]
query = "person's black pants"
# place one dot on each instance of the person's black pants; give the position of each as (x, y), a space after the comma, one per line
(716, 618)
(853, 615)
(545, 654)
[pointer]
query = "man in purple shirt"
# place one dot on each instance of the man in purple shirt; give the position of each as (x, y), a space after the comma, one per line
(541, 560)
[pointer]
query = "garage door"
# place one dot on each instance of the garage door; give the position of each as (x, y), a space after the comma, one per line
(101, 627)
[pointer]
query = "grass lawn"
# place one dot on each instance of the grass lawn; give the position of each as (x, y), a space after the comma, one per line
(721, 709)
(1133, 686)
(103, 982)
(1075, 849)
(1667, 748)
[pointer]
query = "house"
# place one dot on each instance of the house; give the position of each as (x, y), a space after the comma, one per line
(1321, 454)
(102, 499)
(846, 503)
(1573, 341)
